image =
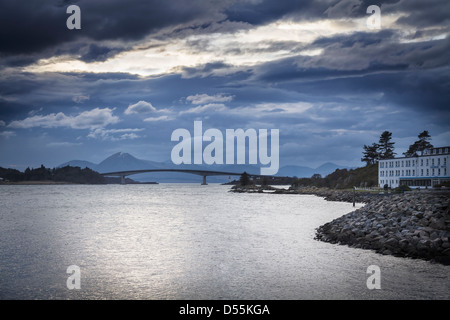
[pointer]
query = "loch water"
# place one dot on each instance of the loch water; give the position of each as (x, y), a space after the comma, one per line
(187, 241)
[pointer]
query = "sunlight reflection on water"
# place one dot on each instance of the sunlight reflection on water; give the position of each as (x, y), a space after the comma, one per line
(186, 241)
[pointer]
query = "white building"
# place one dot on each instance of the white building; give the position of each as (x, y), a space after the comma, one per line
(427, 170)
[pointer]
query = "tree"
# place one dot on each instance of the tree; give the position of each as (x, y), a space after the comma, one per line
(412, 151)
(385, 146)
(371, 154)
(245, 179)
(420, 145)
(316, 176)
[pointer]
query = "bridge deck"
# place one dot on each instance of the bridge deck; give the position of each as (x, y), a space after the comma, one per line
(204, 173)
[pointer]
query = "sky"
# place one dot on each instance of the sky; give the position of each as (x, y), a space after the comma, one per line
(138, 70)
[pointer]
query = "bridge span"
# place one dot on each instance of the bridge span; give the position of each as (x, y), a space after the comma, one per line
(204, 173)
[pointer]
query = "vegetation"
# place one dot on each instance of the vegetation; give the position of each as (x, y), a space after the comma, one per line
(245, 179)
(420, 145)
(402, 189)
(371, 154)
(384, 149)
(65, 174)
(385, 146)
(343, 179)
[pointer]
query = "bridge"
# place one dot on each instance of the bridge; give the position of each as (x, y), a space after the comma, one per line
(204, 173)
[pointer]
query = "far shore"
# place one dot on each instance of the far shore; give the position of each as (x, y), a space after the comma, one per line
(32, 183)
(50, 182)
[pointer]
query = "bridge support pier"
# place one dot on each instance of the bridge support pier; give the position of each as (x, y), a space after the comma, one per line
(122, 180)
(204, 181)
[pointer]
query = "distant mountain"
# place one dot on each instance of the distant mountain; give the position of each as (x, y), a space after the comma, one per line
(295, 171)
(124, 161)
(79, 163)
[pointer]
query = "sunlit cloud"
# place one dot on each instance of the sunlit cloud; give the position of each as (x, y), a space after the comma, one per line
(115, 134)
(157, 119)
(240, 48)
(140, 107)
(205, 98)
(95, 118)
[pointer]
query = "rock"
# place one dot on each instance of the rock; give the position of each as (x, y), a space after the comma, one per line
(434, 235)
(391, 242)
(403, 243)
(411, 225)
(418, 214)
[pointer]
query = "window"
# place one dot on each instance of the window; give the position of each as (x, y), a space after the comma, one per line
(414, 172)
(432, 162)
(439, 172)
(382, 165)
(427, 162)
(439, 161)
(432, 172)
(428, 172)
(421, 172)
(421, 162)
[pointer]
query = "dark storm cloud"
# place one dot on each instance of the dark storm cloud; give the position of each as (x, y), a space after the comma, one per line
(98, 53)
(266, 11)
(417, 13)
(357, 54)
(355, 8)
(33, 29)
(424, 14)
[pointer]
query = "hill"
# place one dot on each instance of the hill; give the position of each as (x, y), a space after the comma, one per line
(65, 174)
(343, 178)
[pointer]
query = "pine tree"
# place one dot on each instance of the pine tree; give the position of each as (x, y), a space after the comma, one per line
(412, 151)
(371, 154)
(420, 145)
(385, 146)
(423, 142)
(245, 179)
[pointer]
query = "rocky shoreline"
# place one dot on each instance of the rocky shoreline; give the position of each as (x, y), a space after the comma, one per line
(413, 224)
(327, 194)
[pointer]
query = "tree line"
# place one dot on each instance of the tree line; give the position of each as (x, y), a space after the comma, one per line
(384, 149)
(64, 174)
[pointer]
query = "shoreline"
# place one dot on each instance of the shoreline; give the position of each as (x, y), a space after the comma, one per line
(48, 183)
(409, 225)
(36, 183)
